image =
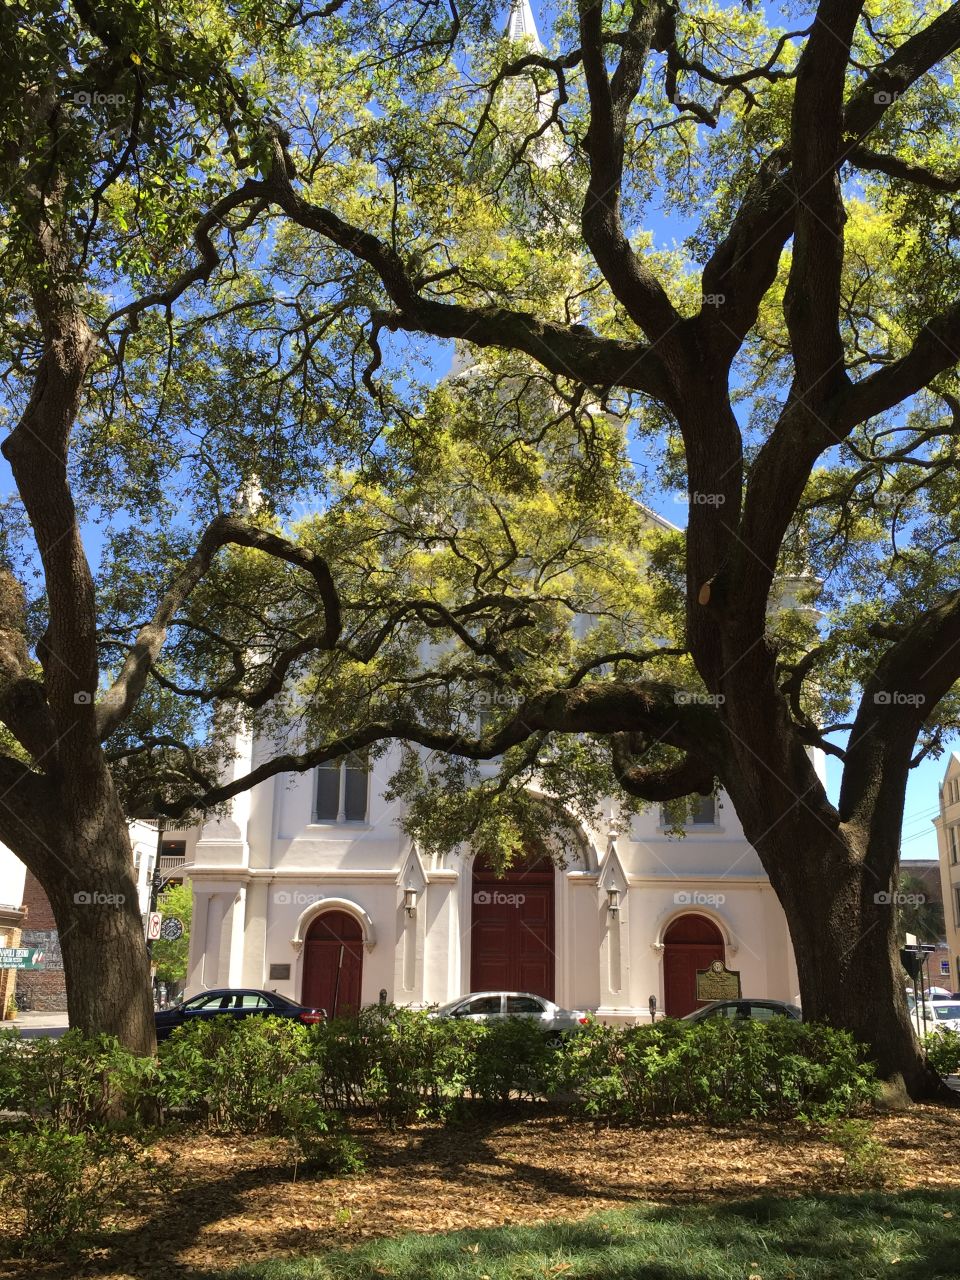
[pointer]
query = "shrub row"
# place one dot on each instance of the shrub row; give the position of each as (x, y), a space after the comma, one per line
(271, 1075)
(716, 1071)
(83, 1109)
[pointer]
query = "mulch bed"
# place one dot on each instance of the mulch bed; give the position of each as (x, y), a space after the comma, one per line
(232, 1200)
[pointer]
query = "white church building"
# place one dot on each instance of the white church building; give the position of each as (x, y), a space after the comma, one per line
(310, 887)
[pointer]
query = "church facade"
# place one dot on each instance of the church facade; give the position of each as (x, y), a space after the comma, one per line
(309, 887)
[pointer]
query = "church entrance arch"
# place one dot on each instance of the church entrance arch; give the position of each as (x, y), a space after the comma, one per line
(333, 963)
(691, 942)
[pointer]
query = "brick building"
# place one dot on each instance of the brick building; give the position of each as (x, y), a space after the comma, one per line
(43, 988)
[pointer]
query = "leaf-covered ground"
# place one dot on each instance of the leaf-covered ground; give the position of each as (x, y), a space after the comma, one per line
(226, 1203)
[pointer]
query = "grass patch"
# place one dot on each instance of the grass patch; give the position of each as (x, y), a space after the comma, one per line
(872, 1236)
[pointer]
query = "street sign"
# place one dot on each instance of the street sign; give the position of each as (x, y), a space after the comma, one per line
(154, 924)
(171, 929)
(912, 960)
(21, 957)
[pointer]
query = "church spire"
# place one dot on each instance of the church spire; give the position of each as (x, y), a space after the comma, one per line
(520, 24)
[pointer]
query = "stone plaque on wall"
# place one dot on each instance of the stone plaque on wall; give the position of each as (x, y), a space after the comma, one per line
(718, 982)
(280, 971)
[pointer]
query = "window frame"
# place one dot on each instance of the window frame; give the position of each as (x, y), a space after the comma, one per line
(538, 1012)
(342, 766)
(467, 1009)
(690, 823)
(204, 1001)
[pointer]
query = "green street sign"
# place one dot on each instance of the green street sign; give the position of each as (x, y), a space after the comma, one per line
(21, 957)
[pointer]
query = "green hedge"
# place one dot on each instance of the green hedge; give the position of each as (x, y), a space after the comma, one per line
(264, 1074)
(717, 1071)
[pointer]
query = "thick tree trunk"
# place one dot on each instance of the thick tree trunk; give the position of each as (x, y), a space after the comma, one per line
(842, 919)
(835, 879)
(86, 870)
(844, 933)
(86, 867)
(102, 940)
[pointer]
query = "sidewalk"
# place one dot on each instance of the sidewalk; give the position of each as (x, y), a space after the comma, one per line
(27, 1020)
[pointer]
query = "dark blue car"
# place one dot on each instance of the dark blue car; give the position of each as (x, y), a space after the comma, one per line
(234, 1003)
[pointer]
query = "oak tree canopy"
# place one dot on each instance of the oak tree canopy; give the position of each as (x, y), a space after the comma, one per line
(679, 246)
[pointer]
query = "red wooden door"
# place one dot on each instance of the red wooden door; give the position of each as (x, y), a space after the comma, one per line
(333, 963)
(511, 943)
(693, 942)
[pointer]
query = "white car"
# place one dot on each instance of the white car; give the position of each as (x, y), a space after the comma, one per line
(491, 1006)
(941, 1013)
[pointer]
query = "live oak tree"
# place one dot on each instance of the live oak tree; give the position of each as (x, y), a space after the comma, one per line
(731, 244)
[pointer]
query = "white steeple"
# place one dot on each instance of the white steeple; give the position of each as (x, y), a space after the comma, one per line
(520, 24)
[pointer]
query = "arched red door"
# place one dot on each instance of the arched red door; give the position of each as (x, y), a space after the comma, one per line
(333, 963)
(511, 939)
(691, 942)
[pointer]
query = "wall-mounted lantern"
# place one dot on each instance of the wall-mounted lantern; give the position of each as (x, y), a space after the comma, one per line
(613, 901)
(410, 901)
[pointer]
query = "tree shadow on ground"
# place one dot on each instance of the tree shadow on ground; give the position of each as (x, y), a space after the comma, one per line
(867, 1236)
(149, 1249)
(911, 1235)
(473, 1157)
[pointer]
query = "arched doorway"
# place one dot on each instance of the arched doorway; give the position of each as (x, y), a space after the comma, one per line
(511, 939)
(333, 963)
(691, 942)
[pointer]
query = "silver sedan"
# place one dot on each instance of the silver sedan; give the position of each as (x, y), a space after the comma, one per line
(491, 1006)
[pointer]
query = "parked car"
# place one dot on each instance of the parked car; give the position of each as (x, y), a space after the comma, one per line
(743, 1010)
(235, 1004)
(490, 1006)
(941, 1013)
